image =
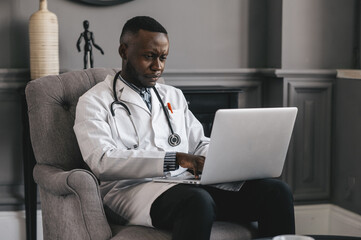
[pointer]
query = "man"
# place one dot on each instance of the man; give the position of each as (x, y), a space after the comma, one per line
(125, 138)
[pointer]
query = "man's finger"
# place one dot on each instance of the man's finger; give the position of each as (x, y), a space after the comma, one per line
(195, 172)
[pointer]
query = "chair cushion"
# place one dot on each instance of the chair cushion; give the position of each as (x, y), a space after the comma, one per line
(220, 231)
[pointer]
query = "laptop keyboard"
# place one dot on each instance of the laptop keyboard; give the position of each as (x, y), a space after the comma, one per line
(184, 176)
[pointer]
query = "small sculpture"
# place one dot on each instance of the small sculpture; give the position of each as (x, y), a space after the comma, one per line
(89, 41)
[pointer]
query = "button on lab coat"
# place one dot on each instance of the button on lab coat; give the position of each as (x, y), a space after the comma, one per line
(124, 158)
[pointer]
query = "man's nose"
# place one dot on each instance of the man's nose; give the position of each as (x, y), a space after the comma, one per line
(157, 64)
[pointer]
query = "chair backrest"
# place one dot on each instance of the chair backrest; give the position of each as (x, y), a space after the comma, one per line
(51, 104)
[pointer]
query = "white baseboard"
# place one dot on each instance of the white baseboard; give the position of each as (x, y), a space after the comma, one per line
(343, 222)
(312, 219)
(320, 219)
(12, 225)
(326, 219)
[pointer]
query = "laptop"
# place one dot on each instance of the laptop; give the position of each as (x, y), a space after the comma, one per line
(246, 144)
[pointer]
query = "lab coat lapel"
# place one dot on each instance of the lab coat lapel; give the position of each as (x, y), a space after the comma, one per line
(128, 95)
(156, 105)
(158, 116)
(159, 124)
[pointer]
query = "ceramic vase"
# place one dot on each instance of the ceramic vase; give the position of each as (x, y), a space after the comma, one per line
(44, 42)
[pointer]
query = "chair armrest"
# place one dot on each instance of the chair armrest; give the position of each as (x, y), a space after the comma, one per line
(52, 179)
(84, 186)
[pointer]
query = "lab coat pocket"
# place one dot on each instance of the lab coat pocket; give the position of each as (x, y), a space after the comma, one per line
(177, 118)
(125, 128)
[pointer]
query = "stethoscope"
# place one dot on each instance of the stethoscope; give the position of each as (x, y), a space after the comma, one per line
(173, 139)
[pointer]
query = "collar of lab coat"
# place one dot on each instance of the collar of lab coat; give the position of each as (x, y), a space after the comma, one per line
(129, 96)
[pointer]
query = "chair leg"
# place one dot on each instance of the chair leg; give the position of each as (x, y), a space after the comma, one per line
(29, 183)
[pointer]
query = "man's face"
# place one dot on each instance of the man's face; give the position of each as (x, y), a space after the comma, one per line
(144, 55)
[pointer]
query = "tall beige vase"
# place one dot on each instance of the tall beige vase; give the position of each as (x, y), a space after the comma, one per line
(44, 42)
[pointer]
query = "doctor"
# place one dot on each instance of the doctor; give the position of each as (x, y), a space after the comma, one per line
(131, 128)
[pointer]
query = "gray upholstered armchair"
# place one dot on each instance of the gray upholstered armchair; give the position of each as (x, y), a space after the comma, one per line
(70, 199)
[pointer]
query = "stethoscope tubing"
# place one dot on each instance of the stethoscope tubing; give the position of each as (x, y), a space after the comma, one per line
(173, 140)
(116, 101)
(164, 110)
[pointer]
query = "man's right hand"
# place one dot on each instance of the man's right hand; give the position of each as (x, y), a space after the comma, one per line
(190, 161)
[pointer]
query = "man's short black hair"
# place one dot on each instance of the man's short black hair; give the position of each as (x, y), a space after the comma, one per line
(133, 25)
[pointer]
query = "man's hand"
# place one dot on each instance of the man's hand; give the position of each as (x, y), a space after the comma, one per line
(192, 162)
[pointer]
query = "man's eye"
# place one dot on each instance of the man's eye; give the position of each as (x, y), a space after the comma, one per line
(149, 56)
(163, 58)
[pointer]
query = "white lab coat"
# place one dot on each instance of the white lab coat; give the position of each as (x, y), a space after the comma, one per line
(107, 144)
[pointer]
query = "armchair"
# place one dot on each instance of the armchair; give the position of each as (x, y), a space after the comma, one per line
(70, 199)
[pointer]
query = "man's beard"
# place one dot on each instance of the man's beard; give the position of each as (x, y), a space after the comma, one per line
(133, 75)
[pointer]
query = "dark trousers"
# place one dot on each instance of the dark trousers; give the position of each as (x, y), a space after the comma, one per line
(189, 211)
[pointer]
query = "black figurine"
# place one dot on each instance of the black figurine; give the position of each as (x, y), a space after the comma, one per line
(89, 41)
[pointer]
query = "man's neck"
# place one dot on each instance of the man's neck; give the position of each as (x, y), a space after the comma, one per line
(133, 86)
(128, 79)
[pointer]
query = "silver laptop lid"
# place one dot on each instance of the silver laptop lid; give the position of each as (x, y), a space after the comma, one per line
(248, 144)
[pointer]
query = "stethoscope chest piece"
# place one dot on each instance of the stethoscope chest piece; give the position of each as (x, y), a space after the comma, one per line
(174, 140)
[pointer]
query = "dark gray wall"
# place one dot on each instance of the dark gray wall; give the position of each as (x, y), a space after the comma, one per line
(262, 30)
(346, 162)
(323, 34)
(318, 34)
(12, 83)
(204, 34)
(274, 33)
(11, 177)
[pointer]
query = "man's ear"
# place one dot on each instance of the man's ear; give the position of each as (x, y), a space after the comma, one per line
(123, 51)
